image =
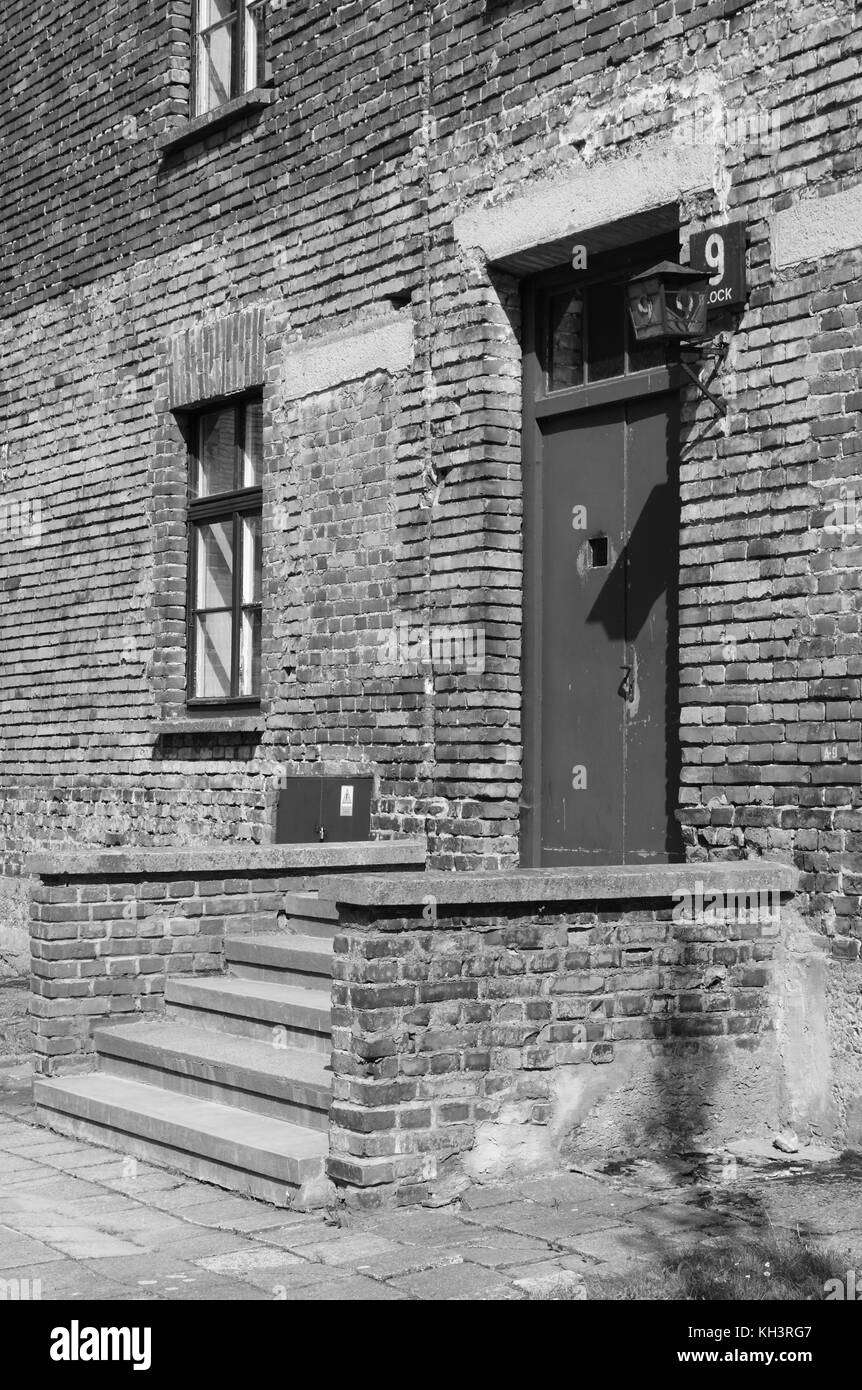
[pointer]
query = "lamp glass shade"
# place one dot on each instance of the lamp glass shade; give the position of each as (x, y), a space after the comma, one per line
(668, 302)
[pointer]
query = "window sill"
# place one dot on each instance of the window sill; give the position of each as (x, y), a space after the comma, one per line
(210, 724)
(200, 126)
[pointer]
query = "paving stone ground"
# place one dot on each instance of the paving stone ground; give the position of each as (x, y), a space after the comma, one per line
(88, 1223)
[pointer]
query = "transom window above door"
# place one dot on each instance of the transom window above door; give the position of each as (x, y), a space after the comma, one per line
(224, 600)
(590, 337)
(229, 51)
(585, 334)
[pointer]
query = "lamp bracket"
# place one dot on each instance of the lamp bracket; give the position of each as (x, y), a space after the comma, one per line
(720, 405)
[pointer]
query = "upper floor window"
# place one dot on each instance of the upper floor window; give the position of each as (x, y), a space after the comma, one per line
(225, 553)
(229, 51)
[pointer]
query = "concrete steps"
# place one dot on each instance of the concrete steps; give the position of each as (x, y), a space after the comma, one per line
(310, 915)
(296, 959)
(254, 1154)
(248, 1073)
(233, 1084)
(284, 1015)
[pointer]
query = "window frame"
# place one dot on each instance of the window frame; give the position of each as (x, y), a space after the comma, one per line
(614, 266)
(238, 86)
(233, 507)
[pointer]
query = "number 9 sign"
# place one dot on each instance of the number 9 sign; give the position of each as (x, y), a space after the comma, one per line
(720, 253)
(713, 254)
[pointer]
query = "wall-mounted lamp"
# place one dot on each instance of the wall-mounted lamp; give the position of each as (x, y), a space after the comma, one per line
(669, 303)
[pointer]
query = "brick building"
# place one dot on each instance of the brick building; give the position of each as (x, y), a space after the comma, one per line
(307, 313)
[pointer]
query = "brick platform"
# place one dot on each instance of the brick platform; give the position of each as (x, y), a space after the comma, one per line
(486, 1024)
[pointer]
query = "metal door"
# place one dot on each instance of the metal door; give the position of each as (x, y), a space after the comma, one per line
(609, 564)
(601, 575)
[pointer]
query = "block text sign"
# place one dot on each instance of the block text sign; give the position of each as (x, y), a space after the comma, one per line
(720, 252)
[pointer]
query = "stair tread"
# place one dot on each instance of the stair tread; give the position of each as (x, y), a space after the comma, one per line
(248, 1055)
(229, 986)
(310, 904)
(239, 947)
(137, 1101)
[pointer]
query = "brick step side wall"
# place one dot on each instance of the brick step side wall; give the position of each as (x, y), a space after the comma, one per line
(105, 941)
(480, 1040)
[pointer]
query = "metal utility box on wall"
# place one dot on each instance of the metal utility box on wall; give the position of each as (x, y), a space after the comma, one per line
(324, 808)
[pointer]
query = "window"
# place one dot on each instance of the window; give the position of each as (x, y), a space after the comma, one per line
(229, 49)
(590, 337)
(584, 330)
(225, 553)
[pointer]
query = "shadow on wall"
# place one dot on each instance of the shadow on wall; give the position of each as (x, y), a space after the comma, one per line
(751, 1055)
(687, 1088)
(665, 1098)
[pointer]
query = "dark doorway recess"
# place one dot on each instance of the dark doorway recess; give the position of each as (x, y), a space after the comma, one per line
(601, 539)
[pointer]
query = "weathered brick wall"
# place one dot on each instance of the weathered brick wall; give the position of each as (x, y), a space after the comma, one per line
(489, 1040)
(123, 253)
(770, 644)
(389, 121)
(103, 950)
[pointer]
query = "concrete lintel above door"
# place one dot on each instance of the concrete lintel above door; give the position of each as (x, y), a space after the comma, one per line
(604, 206)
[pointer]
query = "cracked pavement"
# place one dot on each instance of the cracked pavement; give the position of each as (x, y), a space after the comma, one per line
(88, 1223)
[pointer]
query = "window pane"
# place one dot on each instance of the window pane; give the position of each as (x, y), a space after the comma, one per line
(606, 310)
(254, 46)
(215, 565)
(214, 636)
(566, 341)
(249, 653)
(253, 460)
(217, 453)
(215, 66)
(251, 559)
(211, 11)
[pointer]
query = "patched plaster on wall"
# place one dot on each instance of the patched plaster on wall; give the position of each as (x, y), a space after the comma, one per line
(347, 355)
(818, 227)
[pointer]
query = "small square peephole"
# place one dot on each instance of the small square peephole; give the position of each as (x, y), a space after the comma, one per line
(598, 552)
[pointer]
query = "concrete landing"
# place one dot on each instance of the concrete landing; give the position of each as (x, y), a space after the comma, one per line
(590, 884)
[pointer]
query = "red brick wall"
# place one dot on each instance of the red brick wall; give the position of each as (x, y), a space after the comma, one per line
(497, 1040)
(103, 946)
(389, 121)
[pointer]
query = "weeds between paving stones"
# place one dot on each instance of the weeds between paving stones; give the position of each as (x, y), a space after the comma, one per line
(774, 1267)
